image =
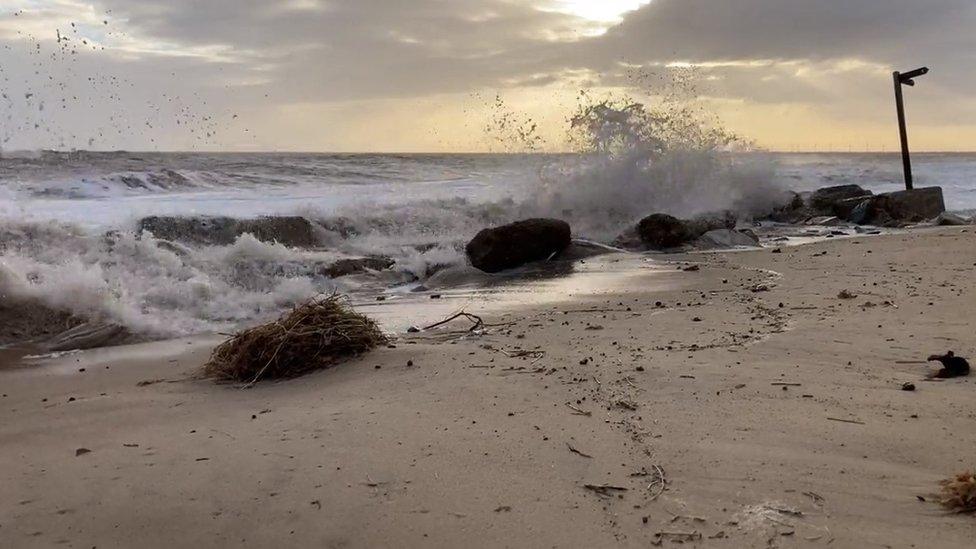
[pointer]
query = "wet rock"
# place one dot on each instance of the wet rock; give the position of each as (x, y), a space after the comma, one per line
(951, 219)
(346, 267)
(913, 205)
(824, 200)
(662, 231)
(221, 231)
(90, 335)
(509, 246)
(726, 238)
(898, 208)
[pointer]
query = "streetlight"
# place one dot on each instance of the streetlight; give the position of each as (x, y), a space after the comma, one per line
(906, 79)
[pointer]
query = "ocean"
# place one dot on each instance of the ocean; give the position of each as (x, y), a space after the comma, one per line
(68, 220)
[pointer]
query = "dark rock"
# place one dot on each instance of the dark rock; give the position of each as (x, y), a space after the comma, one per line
(793, 211)
(951, 219)
(823, 200)
(222, 231)
(661, 231)
(913, 205)
(898, 208)
(509, 246)
(346, 267)
(726, 238)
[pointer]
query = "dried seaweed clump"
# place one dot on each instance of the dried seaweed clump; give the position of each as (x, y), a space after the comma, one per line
(959, 493)
(314, 335)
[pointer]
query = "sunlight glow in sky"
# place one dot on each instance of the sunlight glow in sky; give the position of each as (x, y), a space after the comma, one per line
(602, 11)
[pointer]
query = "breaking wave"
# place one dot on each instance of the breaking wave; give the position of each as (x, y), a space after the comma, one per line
(71, 236)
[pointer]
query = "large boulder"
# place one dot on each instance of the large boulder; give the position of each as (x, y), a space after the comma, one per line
(897, 208)
(291, 231)
(662, 231)
(824, 200)
(913, 205)
(509, 246)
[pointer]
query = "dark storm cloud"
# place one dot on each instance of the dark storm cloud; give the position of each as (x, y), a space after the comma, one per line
(367, 48)
(830, 54)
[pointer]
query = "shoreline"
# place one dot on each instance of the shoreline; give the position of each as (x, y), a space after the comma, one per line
(720, 414)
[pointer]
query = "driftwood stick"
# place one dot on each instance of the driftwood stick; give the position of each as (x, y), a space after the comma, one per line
(478, 322)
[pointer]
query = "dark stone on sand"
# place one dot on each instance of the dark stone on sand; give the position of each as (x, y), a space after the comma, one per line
(346, 267)
(898, 208)
(509, 246)
(727, 238)
(291, 231)
(662, 231)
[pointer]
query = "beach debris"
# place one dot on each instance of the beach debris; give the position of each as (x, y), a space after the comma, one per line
(952, 365)
(629, 405)
(476, 320)
(846, 294)
(679, 537)
(513, 245)
(908, 386)
(314, 335)
(148, 382)
(574, 450)
(959, 493)
(854, 421)
(605, 490)
(503, 509)
(82, 451)
(659, 482)
(577, 411)
(691, 268)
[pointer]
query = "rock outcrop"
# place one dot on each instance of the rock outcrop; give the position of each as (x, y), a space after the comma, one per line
(662, 231)
(509, 246)
(346, 267)
(293, 231)
(897, 208)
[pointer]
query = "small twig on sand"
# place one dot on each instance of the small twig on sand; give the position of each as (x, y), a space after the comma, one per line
(575, 451)
(854, 421)
(604, 490)
(577, 411)
(659, 480)
(518, 353)
(786, 384)
(679, 536)
(574, 311)
(478, 322)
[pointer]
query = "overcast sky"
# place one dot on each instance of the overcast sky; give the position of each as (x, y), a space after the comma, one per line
(417, 75)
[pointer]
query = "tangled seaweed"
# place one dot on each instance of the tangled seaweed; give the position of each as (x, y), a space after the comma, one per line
(312, 336)
(959, 493)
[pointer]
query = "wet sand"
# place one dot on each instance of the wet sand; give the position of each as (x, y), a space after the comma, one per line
(772, 408)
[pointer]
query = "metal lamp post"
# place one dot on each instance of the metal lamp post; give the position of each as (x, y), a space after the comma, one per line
(906, 79)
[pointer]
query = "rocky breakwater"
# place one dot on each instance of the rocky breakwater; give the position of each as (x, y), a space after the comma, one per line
(854, 204)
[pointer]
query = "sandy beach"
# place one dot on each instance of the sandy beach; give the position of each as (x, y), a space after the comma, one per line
(743, 404)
